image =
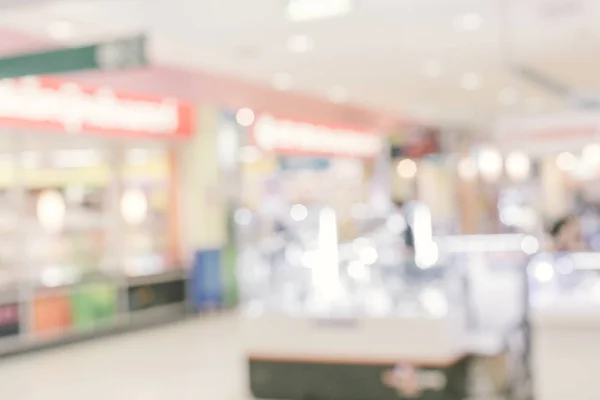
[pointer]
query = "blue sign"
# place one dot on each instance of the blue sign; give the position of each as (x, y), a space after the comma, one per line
(207, 289)
(303, 163)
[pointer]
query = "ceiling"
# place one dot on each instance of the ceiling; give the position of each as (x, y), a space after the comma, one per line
(402, 56)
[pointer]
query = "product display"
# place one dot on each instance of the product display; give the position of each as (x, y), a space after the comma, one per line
(335, 303)
(565, 323)
(85, 217)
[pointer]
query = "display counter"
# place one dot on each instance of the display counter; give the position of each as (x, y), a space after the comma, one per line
(565, 320)
(303, 357)
(329, 320)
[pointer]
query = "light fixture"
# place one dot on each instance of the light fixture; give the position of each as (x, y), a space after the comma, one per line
(470, 81)
(508, 96)
(468, 22)
(432, 69)
(338, 94)
(306, 10)
(407, 168)
(245, 117)
(282, 81)
(299, 44)
(518, 166)
(591, 154)
(299, 212)
(134, 207)
(60, 30)
(51, 211)
(566, 161)
(490, 164)
(467, 169)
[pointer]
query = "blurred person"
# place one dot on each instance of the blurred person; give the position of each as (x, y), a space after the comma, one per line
(407, 234)
(566, 234)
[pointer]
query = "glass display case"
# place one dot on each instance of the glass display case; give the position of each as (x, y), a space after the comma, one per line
(564, 281)
(295, 263)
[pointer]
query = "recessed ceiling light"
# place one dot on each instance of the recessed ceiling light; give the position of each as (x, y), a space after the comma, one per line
(468, 22)
(432, 69)
(338, 94)
(470, 81)
(305, 10)
(508, 96)
(299, 44)
(60, 30)
(282, 81)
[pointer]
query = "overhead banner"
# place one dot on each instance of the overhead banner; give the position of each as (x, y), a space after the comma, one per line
(548, 133)
(283, 136)
(113, 55)
(49, 104)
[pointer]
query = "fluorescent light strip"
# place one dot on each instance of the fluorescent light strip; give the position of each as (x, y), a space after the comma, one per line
(306, 10)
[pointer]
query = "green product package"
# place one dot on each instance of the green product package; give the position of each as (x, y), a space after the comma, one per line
(94, 305)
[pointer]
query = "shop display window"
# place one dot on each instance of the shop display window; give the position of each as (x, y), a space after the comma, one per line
(145, 207)
(304, 268)
(83, 208)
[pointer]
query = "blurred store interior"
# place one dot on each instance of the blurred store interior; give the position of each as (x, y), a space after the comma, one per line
(299, 199)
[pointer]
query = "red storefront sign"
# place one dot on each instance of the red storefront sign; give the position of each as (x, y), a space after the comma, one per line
(299, 138)
(49, 104)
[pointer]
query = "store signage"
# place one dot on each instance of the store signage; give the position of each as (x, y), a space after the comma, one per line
(45, 103)
(548, 133)
(9, 320)
(411, 382)
(299, 138)
(416, 143)
(303, 163)
(152, 295)
(117, 54)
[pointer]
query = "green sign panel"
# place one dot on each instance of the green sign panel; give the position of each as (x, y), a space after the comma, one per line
(114, 55)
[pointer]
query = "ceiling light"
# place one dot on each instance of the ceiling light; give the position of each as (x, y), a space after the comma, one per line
(566, 161)
(490, 164)
(305, 10)
(508, 96)
(299, 44)
(245, 117)
(468, 22)
(591, 154)
(407, 168)
(60, 30)
(470, 81)
(282, 81)
(518, 166)
(338, 94)
(432, 69)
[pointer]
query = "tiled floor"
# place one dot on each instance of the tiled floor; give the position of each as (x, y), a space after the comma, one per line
(199, 359)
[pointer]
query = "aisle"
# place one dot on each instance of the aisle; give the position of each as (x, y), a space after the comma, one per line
(198, 359)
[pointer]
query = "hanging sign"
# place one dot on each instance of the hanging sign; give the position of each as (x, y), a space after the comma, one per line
(117, 54)
(299, 138)
(49, 104)
(548, 134)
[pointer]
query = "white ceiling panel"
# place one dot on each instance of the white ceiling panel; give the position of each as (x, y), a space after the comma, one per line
(376, 53)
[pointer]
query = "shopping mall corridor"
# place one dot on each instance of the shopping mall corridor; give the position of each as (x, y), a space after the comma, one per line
(195, 359)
